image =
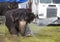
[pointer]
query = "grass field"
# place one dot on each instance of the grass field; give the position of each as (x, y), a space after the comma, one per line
(41, 34)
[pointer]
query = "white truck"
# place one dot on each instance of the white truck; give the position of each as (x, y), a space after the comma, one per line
(48, 11)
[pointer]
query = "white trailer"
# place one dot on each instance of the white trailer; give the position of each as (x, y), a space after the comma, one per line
(48, 11)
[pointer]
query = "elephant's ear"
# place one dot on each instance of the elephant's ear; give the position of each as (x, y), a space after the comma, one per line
(31, 16)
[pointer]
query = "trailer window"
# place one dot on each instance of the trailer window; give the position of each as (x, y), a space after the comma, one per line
(56, 1)
(45, 1)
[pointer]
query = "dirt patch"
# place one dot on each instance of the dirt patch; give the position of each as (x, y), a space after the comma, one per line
(2, 38)
(9, 38)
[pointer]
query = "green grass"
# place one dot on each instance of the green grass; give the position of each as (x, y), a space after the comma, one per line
(41, 34)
